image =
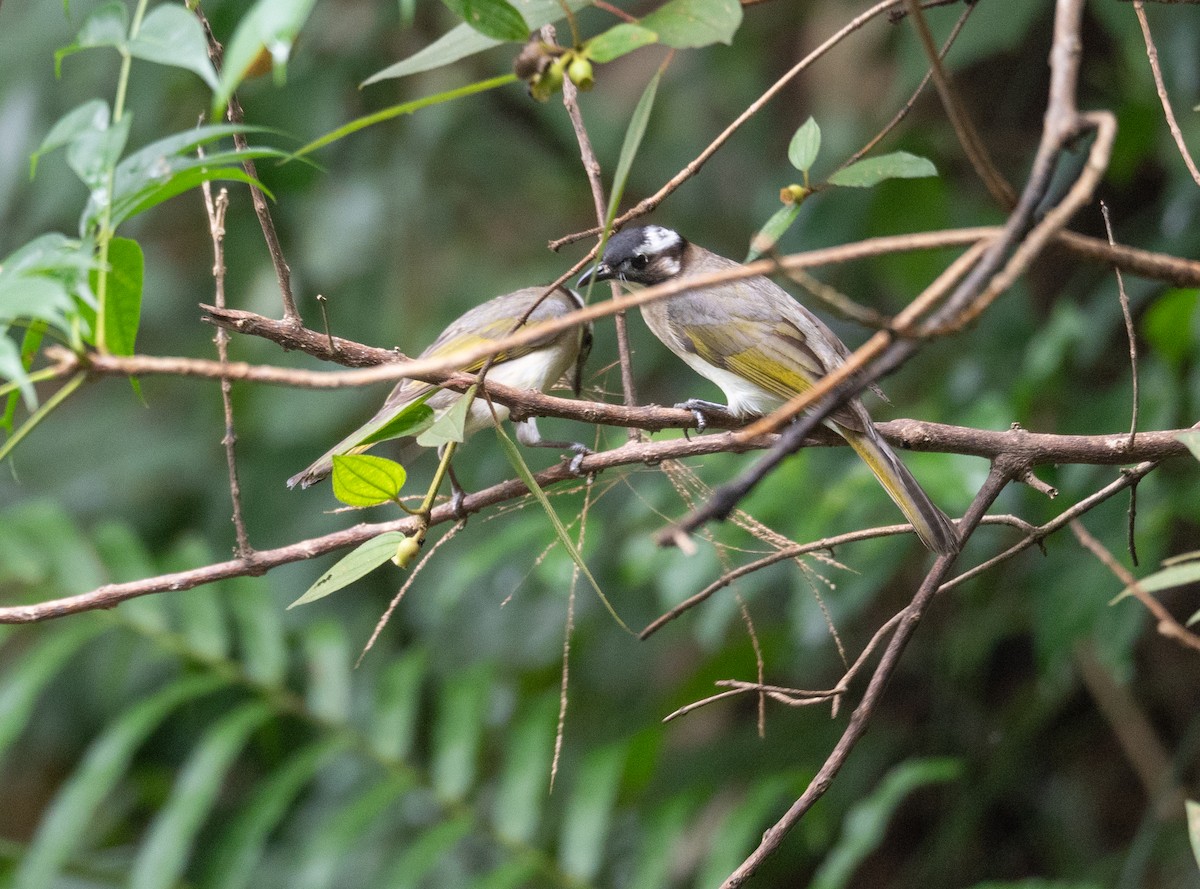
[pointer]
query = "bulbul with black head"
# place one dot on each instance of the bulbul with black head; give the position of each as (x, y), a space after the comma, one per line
(537, 365)
(759, 345)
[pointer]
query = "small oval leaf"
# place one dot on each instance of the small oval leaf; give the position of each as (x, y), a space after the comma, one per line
(618, 41)
(687, 24)
(497, 19)
(805, 145)
(768, 236)
(873, 170)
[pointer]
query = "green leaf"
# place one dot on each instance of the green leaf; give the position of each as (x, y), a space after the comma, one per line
(413, 419)
(262, 649)
(589, 811)
(91, 116)
(688, 24)
(521, 796)
(403, 108)
(1192, 440)
(397, 698)
(170, 35)
(423, 853)
(617, 41)
(106, 25)
(458, 731)
(26, 677)
(1164, 579)
(451, 425)
(34, 298)
(497, 19)
(518, 463)
(92, 154)
(768, 236)
(629, 148)
(13, 369)
(363, 480)
(327, 658)
(364, 559)
(464, 40)
(242, 845)
(865, 825)
(123, 300)
(272, 25)
(63, 826)
(805, 145)
(188, 178)
(871, 171)
(164, 853)
(1193, 827)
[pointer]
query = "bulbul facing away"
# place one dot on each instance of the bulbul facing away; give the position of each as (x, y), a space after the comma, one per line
(538, 365)
(758, 344)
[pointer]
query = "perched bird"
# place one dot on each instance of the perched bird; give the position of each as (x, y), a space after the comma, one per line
(538, 365)
(758, 344)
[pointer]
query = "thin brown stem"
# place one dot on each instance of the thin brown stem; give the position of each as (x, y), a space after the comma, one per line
(1172, 123)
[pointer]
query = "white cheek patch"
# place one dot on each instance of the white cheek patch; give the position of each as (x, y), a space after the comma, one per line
(668, 266)
(656, 239)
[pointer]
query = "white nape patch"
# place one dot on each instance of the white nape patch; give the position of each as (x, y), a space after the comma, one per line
(657, 240)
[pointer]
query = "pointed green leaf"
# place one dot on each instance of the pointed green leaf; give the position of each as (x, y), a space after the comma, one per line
(464, 40)
(170, 35)
(63, 827)
(13, 369)
(327, 658)
(871, 171)
(865, 825)
(164, 854)
(497, 19)
(451, 425)
(805, 145)
(92, 154)
(360, 562)
(403, 108)
(272, 25)
(37, 666)
(617, 41)
(521, 796)
(106, 25)
(687, 24)
(412, 419)
(422, 854)
(91, 116)
(629, 148)
(1164, 579)
(243, 843)
(458, 730)
(397, 699)
(123, 300)
(589, 812)
(363, 480)
(768, 236)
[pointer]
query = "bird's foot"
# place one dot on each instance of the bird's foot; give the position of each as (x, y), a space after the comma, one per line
(702, 410)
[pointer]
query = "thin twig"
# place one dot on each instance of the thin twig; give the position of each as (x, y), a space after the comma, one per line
(1167, 625)
(591, 166)
(964, 128)
(233, 112)
(1129, 331)
(1152, 55)
(216, 209)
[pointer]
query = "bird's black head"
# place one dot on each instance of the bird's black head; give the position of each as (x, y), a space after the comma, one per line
(648, 255)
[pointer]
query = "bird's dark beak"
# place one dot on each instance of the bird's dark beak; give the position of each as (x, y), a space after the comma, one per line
(600, 273)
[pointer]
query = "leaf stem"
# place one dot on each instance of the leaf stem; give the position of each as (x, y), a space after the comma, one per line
(42, 412)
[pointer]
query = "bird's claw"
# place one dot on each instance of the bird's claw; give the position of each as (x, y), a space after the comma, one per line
(576, 465)
(456, 504)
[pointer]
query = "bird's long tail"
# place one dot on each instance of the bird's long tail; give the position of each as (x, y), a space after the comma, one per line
(931, 524)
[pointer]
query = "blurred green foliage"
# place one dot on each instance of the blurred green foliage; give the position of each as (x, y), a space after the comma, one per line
(212, 738)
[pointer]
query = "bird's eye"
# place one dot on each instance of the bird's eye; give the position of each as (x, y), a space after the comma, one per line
(640, 261)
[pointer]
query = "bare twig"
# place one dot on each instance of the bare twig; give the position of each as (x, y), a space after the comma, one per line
(216, 209)
(1167, 625)
(1129, 331)
(1152, 55)
(968, 136)
(591, 166)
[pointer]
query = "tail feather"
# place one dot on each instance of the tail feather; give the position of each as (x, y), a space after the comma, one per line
(931, 524)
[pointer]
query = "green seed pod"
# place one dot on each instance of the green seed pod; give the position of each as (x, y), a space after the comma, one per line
(549, 81)
(406, 551)
(580, 72)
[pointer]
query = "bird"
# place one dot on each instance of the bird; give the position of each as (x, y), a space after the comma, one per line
(537, 365)
(761, 347)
